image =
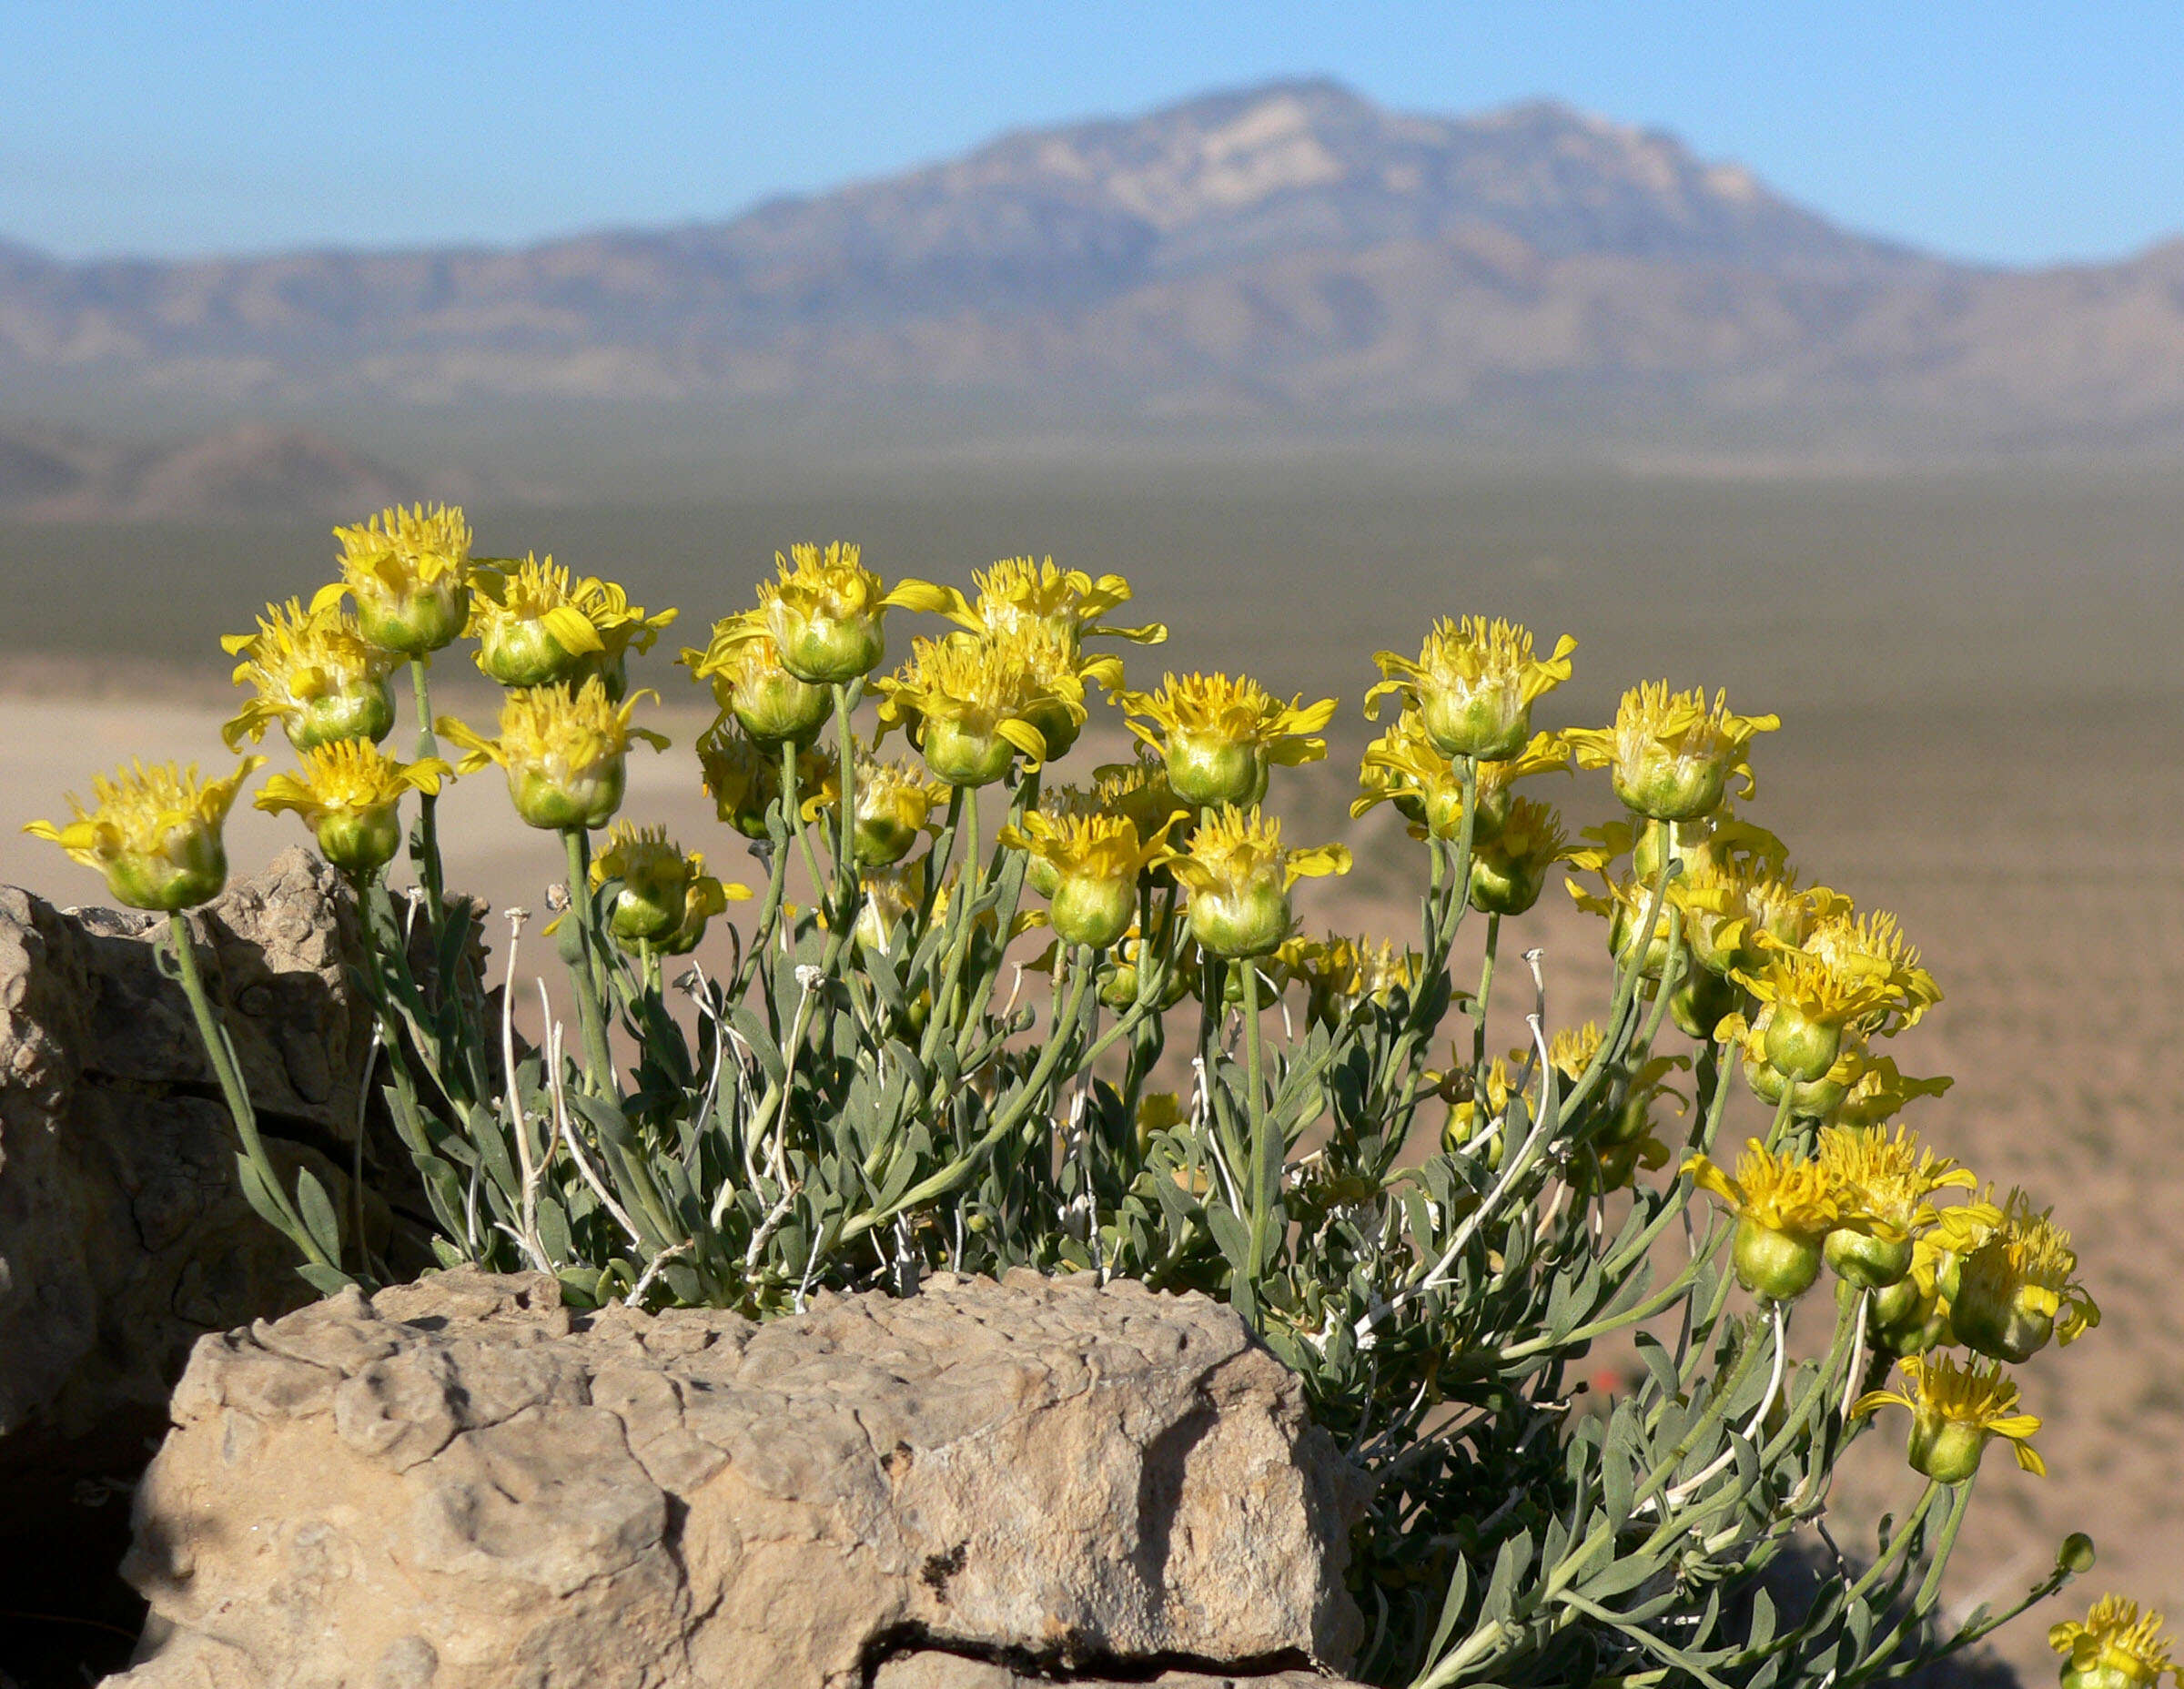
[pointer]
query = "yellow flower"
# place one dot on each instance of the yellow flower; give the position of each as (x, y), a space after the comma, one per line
(534, 627)
(824, 614)
(706, 898)
(1058, 675)
(1402, 767)
(350, 797)
(408, 572)
(1219, 736)
(563, 750)
(1875, 944)
(1473, 685)
(970, 703)
(894, 804)
(1017, 595)
(1670, 755)
(1783, 1209)
(655, 902)
(1340, 973)
(1886, 1183)
(1622, 903)
(1881, 1089)
(742, 779)
(1851, 971)
(1736, 885)
(1466, 1119)
(155, 834)
(744, 664)
(1509, 870)
(1238, 874)
(1954, 1410)
(1096, 860)
(1158, 1112)
(2019, 1288)
(315, 675)
(2115, 1648)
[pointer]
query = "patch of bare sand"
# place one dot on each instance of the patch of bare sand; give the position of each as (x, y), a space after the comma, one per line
(2030, 851)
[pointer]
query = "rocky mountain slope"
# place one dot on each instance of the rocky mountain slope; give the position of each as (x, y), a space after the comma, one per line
(1289, 255)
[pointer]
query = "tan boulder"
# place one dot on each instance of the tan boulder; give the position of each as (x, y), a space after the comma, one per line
(461, 1483)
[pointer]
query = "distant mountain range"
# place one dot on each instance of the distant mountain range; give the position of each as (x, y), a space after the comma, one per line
(1292, 257)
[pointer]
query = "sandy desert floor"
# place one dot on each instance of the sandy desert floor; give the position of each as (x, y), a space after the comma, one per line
(2030, 849)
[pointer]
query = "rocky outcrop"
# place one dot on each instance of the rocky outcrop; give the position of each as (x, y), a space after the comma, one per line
(124, 1234)
(465, 1484)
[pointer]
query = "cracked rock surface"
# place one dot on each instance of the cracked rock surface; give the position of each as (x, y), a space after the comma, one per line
(124, 1234)
(462, 1483)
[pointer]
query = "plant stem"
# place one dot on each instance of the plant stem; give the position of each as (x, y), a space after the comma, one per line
(426, 854)
(599, 1059)
(1262, 1199)
(221, 1054)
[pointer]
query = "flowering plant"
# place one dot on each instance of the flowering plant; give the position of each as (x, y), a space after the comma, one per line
(977, 1018)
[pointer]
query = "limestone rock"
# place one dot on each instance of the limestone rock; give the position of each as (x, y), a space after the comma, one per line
(124, 1234)
(464, 1485)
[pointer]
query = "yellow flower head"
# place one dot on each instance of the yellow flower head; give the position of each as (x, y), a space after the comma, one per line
(1466, 1118)
(655, 903)
(535, 627)
(895, 803)
(1670, 755)
(1736, 885)
(315, 674)
(1018, 594)
(1338, 973)
(1873, 944)
(1096, 860)
(1954, 1410)
(154, 833)
(1785, 1209)
(1623, 903)
(1509, 870)
(1889, 1181)
(1138, 789)
(408, 572)
(1238, 874)
(1473, 685)
(2115, 1648)
(1851, 973)
(744, 779)
(563, 749)
(1777, 1192)
(749, 682)
(1885, 1185)
(972, 703)
(825, 612)
(2019, 1287)
(350, 796)
(1219, 736)
(1402, 767)
(1881, 1090)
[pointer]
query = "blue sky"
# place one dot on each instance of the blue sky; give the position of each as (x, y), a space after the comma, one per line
(2016, 133)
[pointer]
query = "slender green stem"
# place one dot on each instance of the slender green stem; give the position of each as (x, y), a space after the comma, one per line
(777, 875)
(221, 1055)
(845, 852)
(1256, 1177)
(1486, 988)
(426, 853)
(599, 1059)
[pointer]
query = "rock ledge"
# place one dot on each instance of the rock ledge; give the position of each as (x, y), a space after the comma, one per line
(462, 1483)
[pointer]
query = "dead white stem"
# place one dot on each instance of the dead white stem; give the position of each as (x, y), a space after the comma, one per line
(558, 1090)
(527, 1234)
